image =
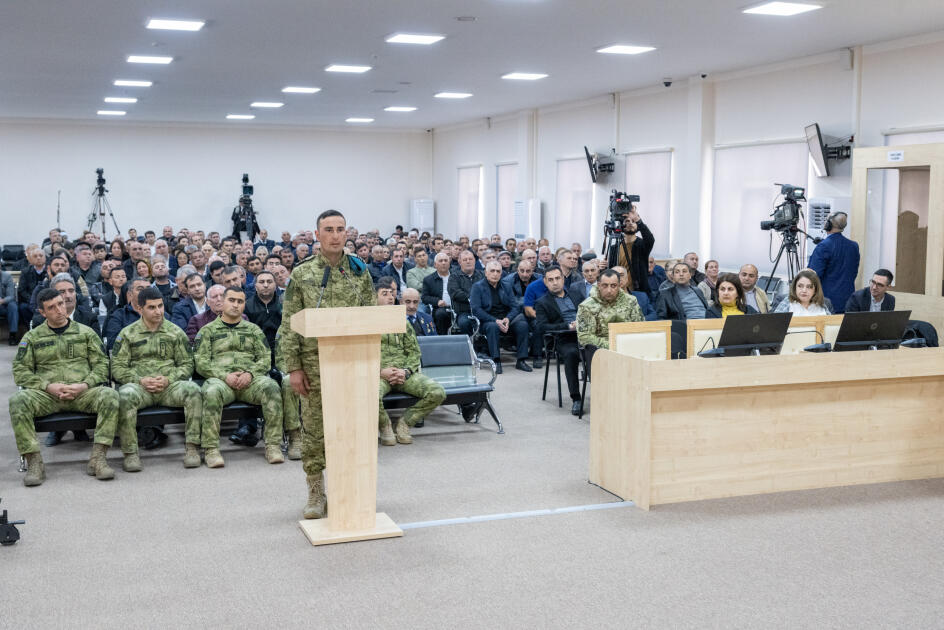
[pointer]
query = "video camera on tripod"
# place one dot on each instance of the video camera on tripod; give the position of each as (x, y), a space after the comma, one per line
(621, 205)
(100, 205)
(244, 216)
(787, 214)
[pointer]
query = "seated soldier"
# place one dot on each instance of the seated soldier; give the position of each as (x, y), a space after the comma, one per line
(400, 371)
(151, 360)
(61, 366)
(65, 285)
(607, 304)
(495, 307)
(232, 354)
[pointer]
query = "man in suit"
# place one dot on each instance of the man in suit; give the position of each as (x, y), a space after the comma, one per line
(436, 293)
(682, 301)
(517, 282)
(422, 323)
(497, 311)
(193, 304)
(460, 289)
(397, 268)
(581, 289)
(875, 297)
(655, 278)
(263, 240)
(836, 262)
(753, 295)
(557, 313)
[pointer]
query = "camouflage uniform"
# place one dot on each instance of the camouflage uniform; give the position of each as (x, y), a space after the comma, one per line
(139, 353)
(75, 356)
(219, 350)
(351, 288)
(401, 350)
(594, 317)
(291, 420)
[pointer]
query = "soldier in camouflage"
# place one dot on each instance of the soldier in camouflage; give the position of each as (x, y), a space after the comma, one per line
(61, 366)
(291, 405)
(152, 362)
(232, 354)
(606, 304)
(400, 372)
(348, 284)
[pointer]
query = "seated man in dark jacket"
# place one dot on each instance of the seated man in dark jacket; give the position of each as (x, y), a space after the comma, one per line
(875, 297)
(497, 312)
(436, 293)
(682, 301)
(193, 304)
(460, 290)
(127, 314)
(557, 313)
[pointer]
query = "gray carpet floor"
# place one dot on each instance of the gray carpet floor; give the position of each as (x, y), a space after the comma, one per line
(171, 547)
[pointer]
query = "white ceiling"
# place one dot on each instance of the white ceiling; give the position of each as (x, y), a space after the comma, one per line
(58, 59)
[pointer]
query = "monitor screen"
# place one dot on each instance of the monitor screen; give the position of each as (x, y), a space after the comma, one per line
(814, 140)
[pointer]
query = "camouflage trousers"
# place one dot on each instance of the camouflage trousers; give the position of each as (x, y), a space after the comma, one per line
(430, 394)
(313, 447)
(133, 397)
(290, 405)
(262, 391)
(29, 404)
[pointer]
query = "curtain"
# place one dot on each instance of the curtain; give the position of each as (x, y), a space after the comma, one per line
(507, 193)
(649, 175)
(574, 204)
(468, 200)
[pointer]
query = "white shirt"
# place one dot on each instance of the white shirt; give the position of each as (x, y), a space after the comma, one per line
(445, 293)
(798, 309)
(874, 306)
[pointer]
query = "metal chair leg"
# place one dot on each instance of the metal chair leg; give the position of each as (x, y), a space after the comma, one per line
(547, 369)
(491, 410)
(560, 397)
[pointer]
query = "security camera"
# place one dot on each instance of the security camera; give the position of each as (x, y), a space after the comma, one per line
(667, 82)
(704, 75)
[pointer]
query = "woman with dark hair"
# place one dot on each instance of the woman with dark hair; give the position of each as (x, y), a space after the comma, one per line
(178, 260)
(806, 296)
(709, 286)
(118, 250)
(730, 297)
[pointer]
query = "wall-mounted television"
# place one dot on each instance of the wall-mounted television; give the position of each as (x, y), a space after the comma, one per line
(814, 140)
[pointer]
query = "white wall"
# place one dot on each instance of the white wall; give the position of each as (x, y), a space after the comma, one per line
(190, 176)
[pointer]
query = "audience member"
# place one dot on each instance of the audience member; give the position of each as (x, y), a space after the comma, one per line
(754, 296)
(730, 298)
(682, 301)
(65, 285)
(496, 309)
(557, 313)
(639, 241)
(460, 289)
(875, 297)
(416, 274)
(607, 304)
(655, 278)
(691, 259)
(836, 262)
(8, 306)
(86, 266)
(194, 304)
(709, 286)
(435, 293)
(806, 296)
(642, 298)
(420, 322)
(125, 315)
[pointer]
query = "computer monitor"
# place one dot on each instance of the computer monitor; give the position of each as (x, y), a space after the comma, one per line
(866, 330)
(744, 335)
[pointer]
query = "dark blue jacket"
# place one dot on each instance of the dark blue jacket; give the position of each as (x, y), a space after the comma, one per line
(183, 311)
(424, 323)
(836, 262)
(645, 305)
(861, 300)
(480, 298)
(388, 270)
(656, 278)
(510, 283)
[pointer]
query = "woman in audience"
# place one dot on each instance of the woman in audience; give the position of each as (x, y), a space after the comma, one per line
(669, 273)
(806, 296)
(179, 259)
(142, 269)
(709, 286)
(117, 249)
(730, 297)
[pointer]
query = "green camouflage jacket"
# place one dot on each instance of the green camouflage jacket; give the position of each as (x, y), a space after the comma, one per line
(595, 316)
(400, 350)
(219, 350)
(75, 356)
(351, 286)
(139, 352)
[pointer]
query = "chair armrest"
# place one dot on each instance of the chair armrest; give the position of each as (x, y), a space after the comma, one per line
(491, 364)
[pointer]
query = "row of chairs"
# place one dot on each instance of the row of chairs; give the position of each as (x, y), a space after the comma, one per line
(10, 255)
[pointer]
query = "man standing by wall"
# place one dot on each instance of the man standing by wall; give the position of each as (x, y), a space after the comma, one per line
(836, 262)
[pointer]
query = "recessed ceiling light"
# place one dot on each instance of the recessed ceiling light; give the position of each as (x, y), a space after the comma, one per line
(120, 99)
(294, 89)
(523, 76)
(624, 49)
(466, 18)
(336, 67)
(783, 9)
(176, 25)
(359, 120)
(414, 38)
(110, 112)
(239, 116)
(452, 95)
(149, 59)
(397, 108)
(265, 104)
(127, 83)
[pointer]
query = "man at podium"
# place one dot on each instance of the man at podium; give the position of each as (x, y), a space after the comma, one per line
(330, 279)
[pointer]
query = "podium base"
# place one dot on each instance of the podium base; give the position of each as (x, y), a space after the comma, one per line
(318, 533)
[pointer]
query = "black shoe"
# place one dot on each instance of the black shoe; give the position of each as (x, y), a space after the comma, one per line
(575, 409)
(419, 424)
(469, 410)
(537, 362)
(498, 369)
(12, 340)
(239, 435)
(522, 365)
(157, 439)
(251, 440)
(54, 437)
(80, 436)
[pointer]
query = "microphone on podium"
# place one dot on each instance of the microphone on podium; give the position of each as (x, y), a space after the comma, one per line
(324, 283)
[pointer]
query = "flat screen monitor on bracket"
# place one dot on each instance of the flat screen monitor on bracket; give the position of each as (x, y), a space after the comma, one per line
(818, 151)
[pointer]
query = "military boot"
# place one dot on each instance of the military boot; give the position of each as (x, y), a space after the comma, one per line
(403, 432)
(213, 458)
(273, 454)
(386, 433)
(295, 444)
(36, 471)
(131, 463)
(191, 456)
(98, 466)
(317, 506)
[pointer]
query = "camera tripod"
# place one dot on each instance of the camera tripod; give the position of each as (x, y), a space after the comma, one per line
(614, 241)
(99, 207)
(789, 245)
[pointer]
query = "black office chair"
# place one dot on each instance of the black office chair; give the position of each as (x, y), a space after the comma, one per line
(11, 255)
(550, 351)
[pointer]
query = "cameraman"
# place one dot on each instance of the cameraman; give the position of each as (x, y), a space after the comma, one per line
(836, 262)
(639, 242)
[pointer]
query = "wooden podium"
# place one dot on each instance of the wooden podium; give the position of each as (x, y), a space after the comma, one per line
(349, 356)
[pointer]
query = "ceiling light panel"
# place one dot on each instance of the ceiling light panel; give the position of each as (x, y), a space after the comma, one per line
(176, 25)
(359, 120)
(120, 99)
(399, 108)
(452, 95)
(336, 67)
(782, 9)
(110, 112)
(239, 116)
(625, 49)
(523, 76)
(266, 104)
(149, 59)
(295, 89)
(414, 38)
(129, 83)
